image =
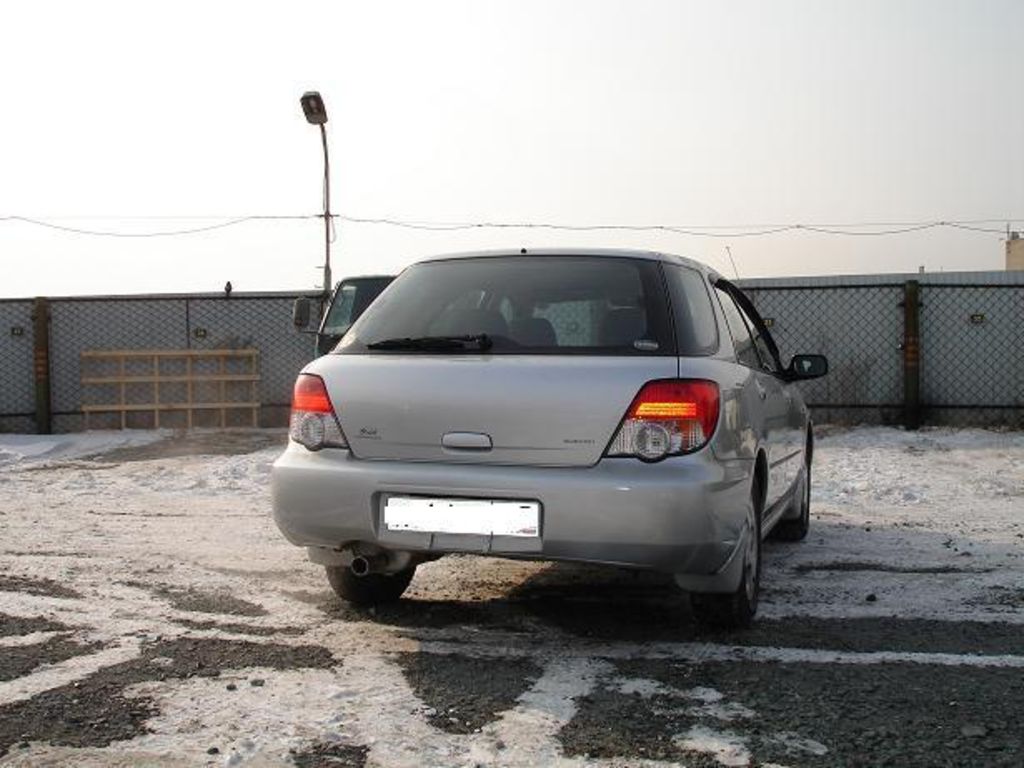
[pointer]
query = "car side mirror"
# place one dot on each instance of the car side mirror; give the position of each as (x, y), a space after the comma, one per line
(807, 367)
(300, 313)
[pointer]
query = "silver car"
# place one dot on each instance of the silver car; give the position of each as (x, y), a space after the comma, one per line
(616, 407)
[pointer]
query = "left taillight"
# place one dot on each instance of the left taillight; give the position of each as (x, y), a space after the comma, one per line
(313, 423)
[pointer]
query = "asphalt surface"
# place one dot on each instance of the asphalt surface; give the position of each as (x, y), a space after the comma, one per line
(172, 654)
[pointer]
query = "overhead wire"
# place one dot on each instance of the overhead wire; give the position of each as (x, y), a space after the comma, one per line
(162, 233)
(860, 229)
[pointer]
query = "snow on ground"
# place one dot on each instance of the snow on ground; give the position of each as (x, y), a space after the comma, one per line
(26, 450)
(929, 523)
(925, 525)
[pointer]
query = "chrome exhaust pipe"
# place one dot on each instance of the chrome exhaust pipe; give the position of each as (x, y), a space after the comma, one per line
(363, 565)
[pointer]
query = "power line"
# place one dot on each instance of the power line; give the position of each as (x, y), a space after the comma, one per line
(729, 231)
(859, 229)
(164, 233)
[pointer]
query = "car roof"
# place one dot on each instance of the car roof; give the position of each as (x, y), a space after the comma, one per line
(618, 253)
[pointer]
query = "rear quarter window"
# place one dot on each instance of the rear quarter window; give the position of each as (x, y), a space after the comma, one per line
(694, 317)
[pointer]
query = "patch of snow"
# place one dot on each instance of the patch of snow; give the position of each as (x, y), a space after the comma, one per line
(727, 712)
(705, 695)
(644, 687)
(725, 747)
(795, 743)
(33, 638)
(62, 673)
(33, 449)
(707, 652)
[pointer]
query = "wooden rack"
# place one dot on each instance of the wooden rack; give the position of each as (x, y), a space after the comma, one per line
(134, 367)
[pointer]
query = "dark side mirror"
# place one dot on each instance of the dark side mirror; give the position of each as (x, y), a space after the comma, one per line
(300, 313)
(807, 367)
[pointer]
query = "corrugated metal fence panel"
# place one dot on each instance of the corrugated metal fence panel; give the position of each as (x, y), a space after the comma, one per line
(972, 346)
(78, 325)
(859, 329)
(17, 385)
(262, 323)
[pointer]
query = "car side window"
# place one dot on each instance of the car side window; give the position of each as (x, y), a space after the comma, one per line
(764, 349)
(743, 342)
(339, 317)
(759, 343)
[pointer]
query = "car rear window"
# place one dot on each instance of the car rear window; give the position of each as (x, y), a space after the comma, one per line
(525, 305)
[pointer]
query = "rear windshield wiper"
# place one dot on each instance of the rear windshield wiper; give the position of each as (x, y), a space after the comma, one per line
(480, 341)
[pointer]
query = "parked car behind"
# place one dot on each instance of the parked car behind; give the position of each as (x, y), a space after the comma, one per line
(616, 407)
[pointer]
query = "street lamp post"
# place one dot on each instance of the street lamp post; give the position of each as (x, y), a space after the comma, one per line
(316, 114)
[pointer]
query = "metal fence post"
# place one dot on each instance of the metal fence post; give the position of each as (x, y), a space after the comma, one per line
(41, 364)
(911, 355)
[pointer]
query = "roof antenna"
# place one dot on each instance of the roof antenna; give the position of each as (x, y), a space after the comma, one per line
(728, 250)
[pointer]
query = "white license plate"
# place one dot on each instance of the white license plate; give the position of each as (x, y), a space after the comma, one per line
(484, 517)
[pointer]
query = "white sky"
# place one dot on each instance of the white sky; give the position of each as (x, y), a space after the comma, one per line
(683, 113)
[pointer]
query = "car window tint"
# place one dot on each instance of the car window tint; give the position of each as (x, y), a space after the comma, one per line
(742, 341)
(447, 317)
(527, 304)
(573, 322)
(696, 330)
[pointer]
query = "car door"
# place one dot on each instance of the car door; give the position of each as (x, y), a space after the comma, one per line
(772, 397)
(790, 415)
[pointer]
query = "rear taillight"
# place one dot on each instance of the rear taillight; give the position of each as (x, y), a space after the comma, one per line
(313, 423)
(668, 417)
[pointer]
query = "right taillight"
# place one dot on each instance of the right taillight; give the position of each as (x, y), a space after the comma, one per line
(313, 423)
(668, 417)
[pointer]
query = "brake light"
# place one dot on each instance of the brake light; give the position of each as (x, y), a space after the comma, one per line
(311, 395)
(668, 417)
(313, 422)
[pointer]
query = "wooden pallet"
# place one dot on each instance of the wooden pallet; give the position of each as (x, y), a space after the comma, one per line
(149, 366)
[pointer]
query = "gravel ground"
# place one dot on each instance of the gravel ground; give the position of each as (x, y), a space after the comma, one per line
(151, 614)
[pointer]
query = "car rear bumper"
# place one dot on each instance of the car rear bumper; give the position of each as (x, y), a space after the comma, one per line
(684, 515)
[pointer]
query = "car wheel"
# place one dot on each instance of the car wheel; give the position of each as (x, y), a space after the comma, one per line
(371, 589)
(796, 528)
(736, 610)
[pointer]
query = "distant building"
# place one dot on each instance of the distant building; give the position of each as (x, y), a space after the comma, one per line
(1015, 251)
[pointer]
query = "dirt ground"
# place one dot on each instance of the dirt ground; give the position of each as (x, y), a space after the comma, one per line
(151, 614)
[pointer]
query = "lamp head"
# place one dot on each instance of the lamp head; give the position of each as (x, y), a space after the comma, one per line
(313, 108)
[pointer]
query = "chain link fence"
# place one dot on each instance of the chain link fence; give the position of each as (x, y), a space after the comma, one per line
(858, 328)
(972, 354)
(260, 321)
(17, 381)
(77, 325)
(971, 343)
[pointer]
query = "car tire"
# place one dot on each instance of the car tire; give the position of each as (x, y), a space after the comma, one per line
(796, 528)
(736, 610)
(368, 590)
